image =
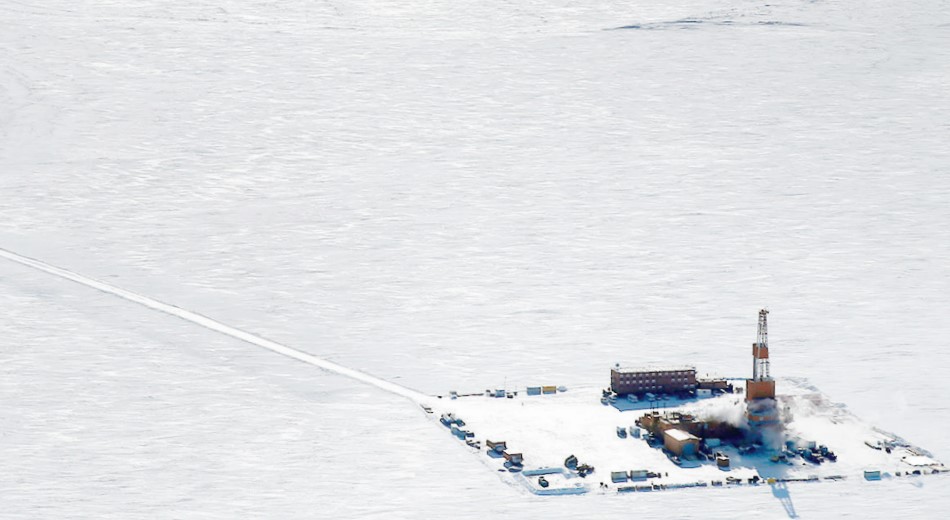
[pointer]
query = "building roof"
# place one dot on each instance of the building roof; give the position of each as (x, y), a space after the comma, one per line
(680, 435)
(652, 368)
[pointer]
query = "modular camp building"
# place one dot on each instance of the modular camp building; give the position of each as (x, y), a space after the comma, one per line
(640, 381)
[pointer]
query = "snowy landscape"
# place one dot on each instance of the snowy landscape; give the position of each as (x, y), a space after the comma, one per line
(241, 242)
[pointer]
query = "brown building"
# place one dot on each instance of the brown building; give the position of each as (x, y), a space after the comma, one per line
(640, 381)
(714, 384)
(680, 443)
(759, 389)
(658, 424)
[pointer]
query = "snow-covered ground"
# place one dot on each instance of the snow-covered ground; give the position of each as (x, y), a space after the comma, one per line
(447, 196)
(547, 429)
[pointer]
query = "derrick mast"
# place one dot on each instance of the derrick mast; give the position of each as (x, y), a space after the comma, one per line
(760, 349)
(761, 385)
(760, 388)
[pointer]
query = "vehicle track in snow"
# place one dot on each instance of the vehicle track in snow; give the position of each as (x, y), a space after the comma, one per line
(217, 326)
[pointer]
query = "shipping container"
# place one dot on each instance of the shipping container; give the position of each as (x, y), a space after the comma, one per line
(639, 474)
(514, 458)
(499, 446)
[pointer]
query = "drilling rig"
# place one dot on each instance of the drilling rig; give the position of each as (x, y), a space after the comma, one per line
(760, 389)
(761, 386)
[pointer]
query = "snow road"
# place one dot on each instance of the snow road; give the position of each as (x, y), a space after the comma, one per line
(217, 326)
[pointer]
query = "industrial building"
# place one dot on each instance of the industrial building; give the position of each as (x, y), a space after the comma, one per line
(716, 385)
(640, 381)
(680, 443)
(657, 424)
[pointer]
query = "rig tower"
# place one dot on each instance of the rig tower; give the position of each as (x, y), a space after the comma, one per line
(760, 390)
(761, 386)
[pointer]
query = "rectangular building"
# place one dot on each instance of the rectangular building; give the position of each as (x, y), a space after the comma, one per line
(764, 389)
(714, 384)
(641, 381)
(680, 443)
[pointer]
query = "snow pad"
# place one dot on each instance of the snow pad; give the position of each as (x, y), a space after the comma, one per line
(548, 430)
